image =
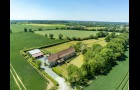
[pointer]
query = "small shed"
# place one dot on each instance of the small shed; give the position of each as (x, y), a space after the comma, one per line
(36, 53)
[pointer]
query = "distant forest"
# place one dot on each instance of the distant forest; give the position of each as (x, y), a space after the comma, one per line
(71, 23)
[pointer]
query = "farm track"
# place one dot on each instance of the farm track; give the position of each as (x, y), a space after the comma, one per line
(17, 78)
(124, 81)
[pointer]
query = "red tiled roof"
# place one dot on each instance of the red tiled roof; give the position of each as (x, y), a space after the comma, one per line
(60, 54)
(37, 54)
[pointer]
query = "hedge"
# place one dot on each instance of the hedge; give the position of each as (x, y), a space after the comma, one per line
(55, 82)
(45, 46)
(57, 72)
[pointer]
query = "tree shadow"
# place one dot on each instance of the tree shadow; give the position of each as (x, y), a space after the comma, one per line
(113, 64)
(123, 58)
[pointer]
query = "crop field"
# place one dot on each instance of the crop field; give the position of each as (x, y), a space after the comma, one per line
(30, 78)
(116, 79)
(66, 45)
(53, 25)
(69, 33)
(20, 27)
(77, 61)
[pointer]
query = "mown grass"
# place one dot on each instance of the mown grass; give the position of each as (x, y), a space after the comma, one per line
(77, 61)
(90, 28)
(29, 76)
(113, 79)
(69, 33)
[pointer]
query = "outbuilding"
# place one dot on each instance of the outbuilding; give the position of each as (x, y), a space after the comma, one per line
(36, 53)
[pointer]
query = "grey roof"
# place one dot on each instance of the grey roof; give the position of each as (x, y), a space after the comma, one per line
(34, 51)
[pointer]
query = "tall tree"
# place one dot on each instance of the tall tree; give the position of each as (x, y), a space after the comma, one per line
(25, 29)
(60, 36)
(51, 36)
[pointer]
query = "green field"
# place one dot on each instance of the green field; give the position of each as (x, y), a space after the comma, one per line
(77, 61)
(28, 75)
(20, 27)
(114, 79)
(66, 45)
(69, 33)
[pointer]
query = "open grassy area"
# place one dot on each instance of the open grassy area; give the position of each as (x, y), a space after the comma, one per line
(66, 45)
(77, 61)
(28, 75)
(20, 27)
(113, 79)
(69, 33)
(53, 25)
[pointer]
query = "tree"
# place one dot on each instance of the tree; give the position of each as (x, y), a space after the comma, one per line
(25, 29)
(46, 35)
(77, 46)
(91, 37)
(75, 74)
(30, 30)
(51, 36)
(39, 29)
(107, 38)
(60, 36)
(83, 48)
(38, 63)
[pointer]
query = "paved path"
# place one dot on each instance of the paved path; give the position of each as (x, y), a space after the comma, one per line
(61, 81)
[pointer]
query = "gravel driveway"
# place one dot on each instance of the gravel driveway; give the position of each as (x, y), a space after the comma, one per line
(61, 81)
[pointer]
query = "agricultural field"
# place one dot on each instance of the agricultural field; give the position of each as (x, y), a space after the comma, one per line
(116, 79)
(66, 45)
(77, 61)
(69, 33)
(20, 27)
(51, 25)
(31, 79)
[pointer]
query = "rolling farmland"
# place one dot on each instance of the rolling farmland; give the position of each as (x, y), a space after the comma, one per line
(27, 74)
(70, 33)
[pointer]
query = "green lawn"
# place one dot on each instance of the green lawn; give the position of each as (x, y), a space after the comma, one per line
(77, 61)
(69, 33)
(29, 76)
(113, 79)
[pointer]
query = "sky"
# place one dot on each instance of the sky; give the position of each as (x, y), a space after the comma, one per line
(85, 10)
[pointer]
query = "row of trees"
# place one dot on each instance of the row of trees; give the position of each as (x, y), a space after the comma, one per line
(52, 36)
(98, 35)
(98, 60)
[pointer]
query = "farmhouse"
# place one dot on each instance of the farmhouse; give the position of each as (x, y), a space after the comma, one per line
(36, 53)
(61, 56)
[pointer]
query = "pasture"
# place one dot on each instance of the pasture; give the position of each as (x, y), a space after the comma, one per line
(31, 79)
(69, 33)
(66, 45)
(20, 27)
(116, 78)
